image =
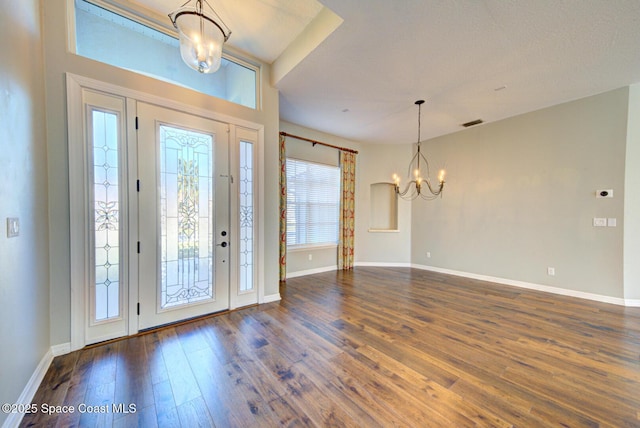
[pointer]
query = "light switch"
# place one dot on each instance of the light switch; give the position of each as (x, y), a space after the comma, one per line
(13, 227)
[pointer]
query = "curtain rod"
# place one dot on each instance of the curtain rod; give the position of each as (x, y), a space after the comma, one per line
(314, 142)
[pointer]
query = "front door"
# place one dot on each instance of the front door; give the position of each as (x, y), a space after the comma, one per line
(183, 168)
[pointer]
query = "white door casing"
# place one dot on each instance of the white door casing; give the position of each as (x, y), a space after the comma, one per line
(79, 90)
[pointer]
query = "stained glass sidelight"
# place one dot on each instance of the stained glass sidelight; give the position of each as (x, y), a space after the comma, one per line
(106, 215)
(246, 216)
(186, 204)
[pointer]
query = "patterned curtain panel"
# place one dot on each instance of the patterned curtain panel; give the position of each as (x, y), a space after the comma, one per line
(283, 210)
(347, 210)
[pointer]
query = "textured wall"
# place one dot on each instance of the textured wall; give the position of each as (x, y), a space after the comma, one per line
(24, 263)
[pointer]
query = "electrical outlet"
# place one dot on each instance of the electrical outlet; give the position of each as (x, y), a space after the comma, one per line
(551, 271)
(428, 254)
(310, 257)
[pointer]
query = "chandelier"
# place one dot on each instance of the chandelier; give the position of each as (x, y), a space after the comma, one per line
(201, 36)
(419, 184)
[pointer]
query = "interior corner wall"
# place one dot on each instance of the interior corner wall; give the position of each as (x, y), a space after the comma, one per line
(24, 262)
(520, 197)
(632, 199)
(59, 62)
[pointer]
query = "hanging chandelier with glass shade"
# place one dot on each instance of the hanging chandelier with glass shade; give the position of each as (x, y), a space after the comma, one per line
(202, 34)
(419, 184)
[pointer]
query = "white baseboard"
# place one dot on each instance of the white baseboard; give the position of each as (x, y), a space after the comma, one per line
(271, 298)
(311, 271)
(29, 391)
(383, 264)
(61, 349)
(532, 286)
(335, 267)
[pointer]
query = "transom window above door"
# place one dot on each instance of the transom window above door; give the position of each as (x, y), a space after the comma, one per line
(112, 38)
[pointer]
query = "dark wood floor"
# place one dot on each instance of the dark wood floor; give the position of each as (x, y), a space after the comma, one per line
(373, 347)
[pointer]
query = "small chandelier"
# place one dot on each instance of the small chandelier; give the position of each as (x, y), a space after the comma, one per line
(416, 185)
(201, 36)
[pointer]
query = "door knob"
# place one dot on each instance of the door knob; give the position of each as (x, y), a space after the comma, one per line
(223, 244)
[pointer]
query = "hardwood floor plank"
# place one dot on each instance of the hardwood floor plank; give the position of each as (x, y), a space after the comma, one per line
(215, 392)
(103, 369)
(155, 360)
(165, 405)
(95, 411)
(77, 389)
(143, 418)
(194, 413)
(183, 383)
(133, 379)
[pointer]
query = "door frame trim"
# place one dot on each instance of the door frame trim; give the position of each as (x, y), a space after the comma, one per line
(77, 201)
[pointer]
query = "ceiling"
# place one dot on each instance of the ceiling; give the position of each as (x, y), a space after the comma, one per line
(469, 59)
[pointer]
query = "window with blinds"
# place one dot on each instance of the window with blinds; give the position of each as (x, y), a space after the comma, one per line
(313, 201)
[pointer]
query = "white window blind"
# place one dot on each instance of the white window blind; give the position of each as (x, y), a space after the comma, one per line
(313, 201)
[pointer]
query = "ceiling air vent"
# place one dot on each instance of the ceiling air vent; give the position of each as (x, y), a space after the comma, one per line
(472, 123)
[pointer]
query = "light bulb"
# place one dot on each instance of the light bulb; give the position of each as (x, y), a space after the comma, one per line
(441, 175)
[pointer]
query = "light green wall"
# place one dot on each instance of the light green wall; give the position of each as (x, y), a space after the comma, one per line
(520, 197)
(632, 199)
(59, 62)
(24, 263)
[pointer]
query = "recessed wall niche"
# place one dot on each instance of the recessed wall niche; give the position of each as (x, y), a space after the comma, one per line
(383, 209)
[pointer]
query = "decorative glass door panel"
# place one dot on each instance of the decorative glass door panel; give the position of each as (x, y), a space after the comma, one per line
(246, 278)
(184, 216)
(186, 203)
(106, 291)
(244, 289)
